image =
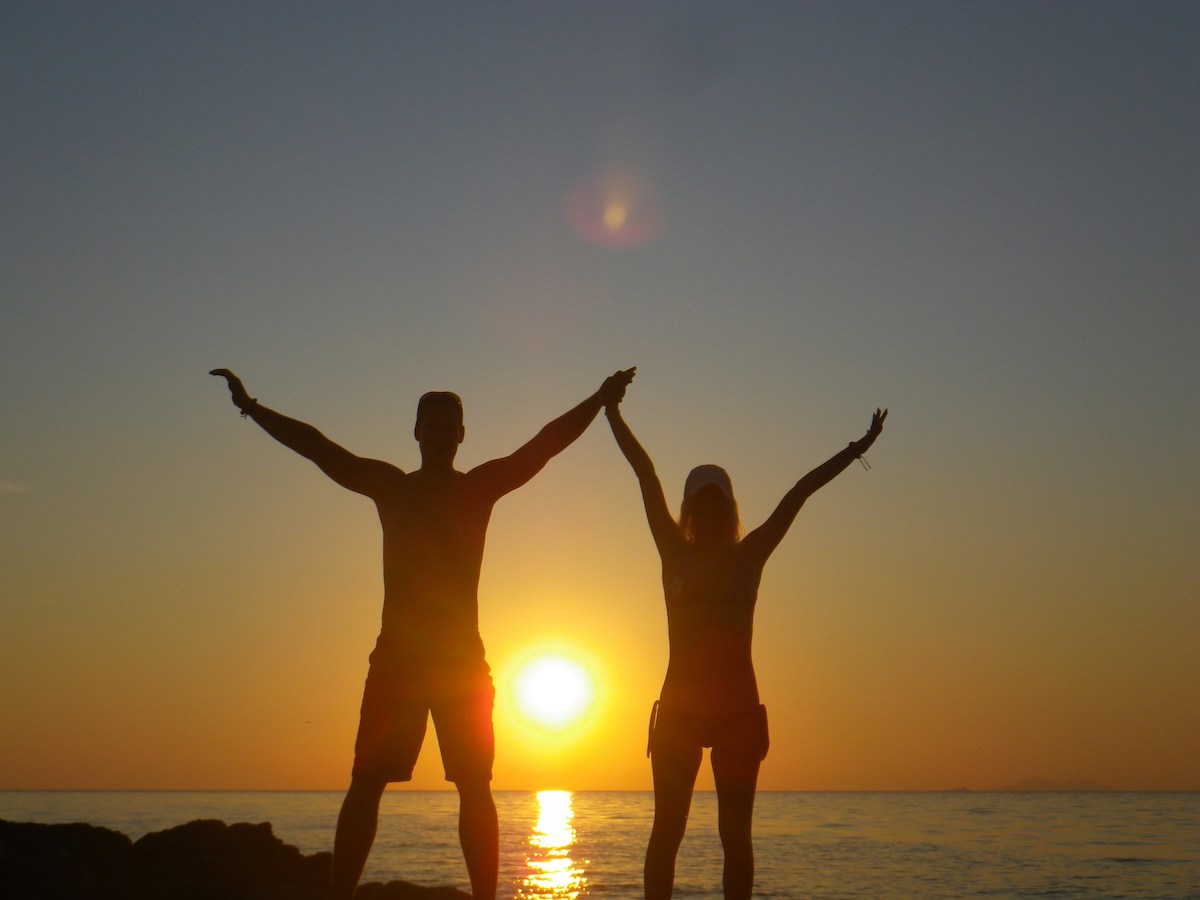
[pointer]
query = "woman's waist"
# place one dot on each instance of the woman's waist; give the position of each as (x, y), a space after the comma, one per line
(710, 693)
(710, 656)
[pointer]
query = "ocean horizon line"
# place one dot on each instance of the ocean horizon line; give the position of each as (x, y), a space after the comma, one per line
(1016, 789)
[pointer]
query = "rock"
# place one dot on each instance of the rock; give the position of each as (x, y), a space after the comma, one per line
(207, 858)
(202, 860)
(77, 861)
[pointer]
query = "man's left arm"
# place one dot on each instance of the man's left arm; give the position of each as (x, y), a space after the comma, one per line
(510, 472)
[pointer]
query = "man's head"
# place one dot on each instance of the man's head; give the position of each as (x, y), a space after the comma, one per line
(439, 428)
(433, 399)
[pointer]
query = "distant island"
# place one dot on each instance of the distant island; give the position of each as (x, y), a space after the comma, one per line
(1034, 785)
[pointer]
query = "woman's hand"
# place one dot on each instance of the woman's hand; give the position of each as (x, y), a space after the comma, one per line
(877, 423)
(237, 390)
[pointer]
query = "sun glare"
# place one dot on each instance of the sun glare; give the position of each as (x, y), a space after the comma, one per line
(553, 873)
(553, 691)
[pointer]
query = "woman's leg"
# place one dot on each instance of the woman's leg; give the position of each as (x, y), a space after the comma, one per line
(735, 771)
(674, 777)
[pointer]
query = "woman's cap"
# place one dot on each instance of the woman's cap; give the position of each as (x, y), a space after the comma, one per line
(702, 476)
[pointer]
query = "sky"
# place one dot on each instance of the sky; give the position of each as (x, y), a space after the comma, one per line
(984, 217)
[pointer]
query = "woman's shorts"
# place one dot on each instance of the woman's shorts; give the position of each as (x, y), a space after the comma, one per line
(742, 732)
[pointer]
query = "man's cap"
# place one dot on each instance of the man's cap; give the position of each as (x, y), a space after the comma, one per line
(702, 476)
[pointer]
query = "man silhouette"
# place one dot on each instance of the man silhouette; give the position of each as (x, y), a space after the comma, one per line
(429, 658)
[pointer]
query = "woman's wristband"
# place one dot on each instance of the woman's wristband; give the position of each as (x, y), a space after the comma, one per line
(857, 452)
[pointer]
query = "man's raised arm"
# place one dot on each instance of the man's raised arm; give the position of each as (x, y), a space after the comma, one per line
(350, 471)
(513, 471)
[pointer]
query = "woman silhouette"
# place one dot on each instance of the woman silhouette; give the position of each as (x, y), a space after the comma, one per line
(709, 697)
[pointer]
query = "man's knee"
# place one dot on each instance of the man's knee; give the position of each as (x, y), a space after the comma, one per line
(365, 789)
(474, 790)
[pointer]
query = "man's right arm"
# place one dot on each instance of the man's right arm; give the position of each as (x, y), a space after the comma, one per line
(353, 472)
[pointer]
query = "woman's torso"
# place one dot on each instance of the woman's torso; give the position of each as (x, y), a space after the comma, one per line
(710, 595)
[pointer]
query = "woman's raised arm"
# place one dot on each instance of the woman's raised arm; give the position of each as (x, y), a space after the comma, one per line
(663, 527)
(763, 540)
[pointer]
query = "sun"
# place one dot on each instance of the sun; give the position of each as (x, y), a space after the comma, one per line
(553, 691)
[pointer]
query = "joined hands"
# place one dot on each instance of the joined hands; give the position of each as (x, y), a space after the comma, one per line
(612, 391)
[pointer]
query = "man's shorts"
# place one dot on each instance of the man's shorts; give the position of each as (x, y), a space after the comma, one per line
(396, 706)
(741, 734)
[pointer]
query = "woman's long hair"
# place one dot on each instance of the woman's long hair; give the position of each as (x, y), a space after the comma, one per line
(734, 520)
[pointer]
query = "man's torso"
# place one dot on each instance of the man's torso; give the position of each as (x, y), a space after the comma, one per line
(433, 540)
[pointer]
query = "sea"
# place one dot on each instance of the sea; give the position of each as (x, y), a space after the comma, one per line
(567, 845)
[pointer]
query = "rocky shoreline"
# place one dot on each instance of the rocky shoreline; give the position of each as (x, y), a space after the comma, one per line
(202, 860)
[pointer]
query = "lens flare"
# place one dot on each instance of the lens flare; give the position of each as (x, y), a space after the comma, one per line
(614, 209)
(615, 216)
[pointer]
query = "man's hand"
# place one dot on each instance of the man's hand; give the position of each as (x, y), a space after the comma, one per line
(237, 390)
(612, 391)
(877, 423)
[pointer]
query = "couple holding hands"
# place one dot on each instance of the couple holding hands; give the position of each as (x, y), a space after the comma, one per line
(429, 658)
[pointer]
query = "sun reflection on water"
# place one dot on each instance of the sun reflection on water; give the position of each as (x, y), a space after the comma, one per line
(551, 872)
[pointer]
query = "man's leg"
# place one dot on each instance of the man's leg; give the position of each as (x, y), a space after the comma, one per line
(479, 834)
(468, 743)
(355, 834)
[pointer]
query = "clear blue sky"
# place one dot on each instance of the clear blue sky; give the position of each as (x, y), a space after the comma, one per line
(983, 216)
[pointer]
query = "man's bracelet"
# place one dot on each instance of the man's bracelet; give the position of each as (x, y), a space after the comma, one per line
(249, 406)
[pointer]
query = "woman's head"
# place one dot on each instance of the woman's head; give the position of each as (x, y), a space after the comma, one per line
(709, 510)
